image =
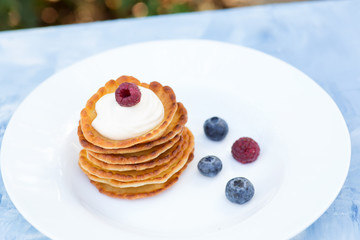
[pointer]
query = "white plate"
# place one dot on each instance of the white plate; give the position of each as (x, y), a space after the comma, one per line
(305, 147)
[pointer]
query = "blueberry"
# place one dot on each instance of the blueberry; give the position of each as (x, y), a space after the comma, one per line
(239, 190)
(216, 128)
(210, 166)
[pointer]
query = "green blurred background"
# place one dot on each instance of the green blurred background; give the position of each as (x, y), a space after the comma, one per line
(17, 14)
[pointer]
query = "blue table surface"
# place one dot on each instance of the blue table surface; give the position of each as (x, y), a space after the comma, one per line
(322, 39)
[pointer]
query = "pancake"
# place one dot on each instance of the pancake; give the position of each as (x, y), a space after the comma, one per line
(137, 157)
(142, 191)
(131, 178)
(136, 160)
(140, 180)
(176, 127)
(162, 159)
(88, 114)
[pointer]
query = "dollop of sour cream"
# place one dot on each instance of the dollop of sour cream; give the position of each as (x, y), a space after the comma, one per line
(118, 123)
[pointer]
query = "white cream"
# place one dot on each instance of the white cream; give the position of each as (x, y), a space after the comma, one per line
(118, 123)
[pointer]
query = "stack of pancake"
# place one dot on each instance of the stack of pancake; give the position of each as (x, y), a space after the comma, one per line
(141, 166)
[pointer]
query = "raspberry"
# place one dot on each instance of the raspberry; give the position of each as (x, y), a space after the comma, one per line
(127, 94)
(245, 150)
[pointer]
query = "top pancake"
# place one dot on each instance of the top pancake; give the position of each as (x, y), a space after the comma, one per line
(176, 126)
(88, 114)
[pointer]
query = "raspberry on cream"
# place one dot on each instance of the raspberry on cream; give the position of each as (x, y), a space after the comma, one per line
(127, 94)
(118, 123)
